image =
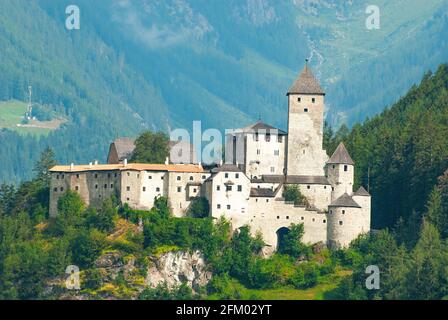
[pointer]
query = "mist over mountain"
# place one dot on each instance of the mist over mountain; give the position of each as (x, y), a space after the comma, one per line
(149, 64)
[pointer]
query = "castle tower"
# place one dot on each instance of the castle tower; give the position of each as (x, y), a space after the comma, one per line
(305, 126)
(340, 172)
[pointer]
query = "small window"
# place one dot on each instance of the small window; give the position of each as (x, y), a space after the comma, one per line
(111, 185)
(108, 175)
(324, 221)
(299, 99)
(76, 188)
(308, 187)
(256, 136)
(128, 173)
(195, 190)
(279, 139)
(179, 189)
(226, 175)
(203, 177)
(237, 175)
(302, 218)
(127, 199)
(157, 189)
(77, 176)
(218, 206)
(313, 100)
(55, 189)
(191, 178)
(287, 217)
(341, 223)
(276, 152)
(346, 168)
(62, 189)
(149, 177)
(57, 177)
(240, 188)
(144, 189)
(332, 188)
(96, 175)
(62, 176)
(105, 186)
(228, 207)
(218, 188)
(228, 188)
(314, 220)
(178, 178)
(305, 110)
(267, 137)
(267, 200)
(258, 151)
(115, 175)
(278, 217)
(96, 186)
(128, 188)
(272, 169)
(343, 211)
(161, 178)
(325, 187)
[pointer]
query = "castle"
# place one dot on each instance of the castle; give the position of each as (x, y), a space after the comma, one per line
(248, 188)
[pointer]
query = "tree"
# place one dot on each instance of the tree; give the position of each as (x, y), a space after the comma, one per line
(102, 219)
(199, 208)
(86, 247)
(292, 242)
(427, 276)
(151, 148)
(437, 208)
(43, 166)
(292, 193)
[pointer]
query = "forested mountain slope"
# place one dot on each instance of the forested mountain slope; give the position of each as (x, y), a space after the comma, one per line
(162, 64)
(401, 152)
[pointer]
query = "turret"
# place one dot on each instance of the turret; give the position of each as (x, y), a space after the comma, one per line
(340, 172)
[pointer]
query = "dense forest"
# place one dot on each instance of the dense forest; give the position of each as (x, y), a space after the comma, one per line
(401, 154)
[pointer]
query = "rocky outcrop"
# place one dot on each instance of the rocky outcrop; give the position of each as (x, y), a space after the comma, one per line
(125, 277)
(176, 268)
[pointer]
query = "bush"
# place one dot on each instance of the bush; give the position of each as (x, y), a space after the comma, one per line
(305, 276)
(223, 287)
(163, 292)
(92, 279)
(270, 273)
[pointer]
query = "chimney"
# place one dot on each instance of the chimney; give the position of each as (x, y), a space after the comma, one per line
(125, 162)
(220, 162)
(96, 162)
(72, 167)
(90, 165)
(167, 161)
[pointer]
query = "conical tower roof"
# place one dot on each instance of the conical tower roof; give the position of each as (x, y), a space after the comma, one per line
(341, 156)
(345, 201)
(306, 83)
(362, 192)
